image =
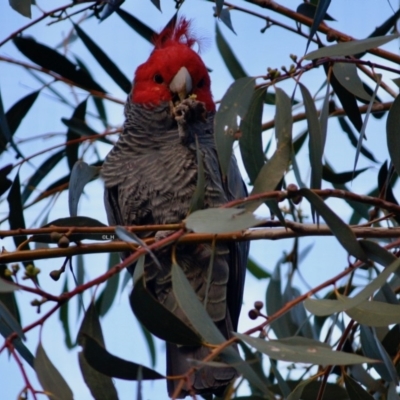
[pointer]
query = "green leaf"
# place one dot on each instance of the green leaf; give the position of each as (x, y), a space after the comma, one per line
(193, 309)
(273, 171)
(341, 230)
(364, 125)
(231, 62)
(225, 17)
(159, 320)
(320, 14)
(109, 292)
(220, 220)
(355, 390)
(22, 6)
(310, 353)
(393, 133)
(5, 131)
(63, 317)
(372, 347)
(16, 217)
(234, 104)
(81, 174)
(150, 344)
(341, 177)
(6, 287)
(350, 48)
(256, 270)
(283, 326)
(139, 27)
(377, 253)
(105, 62)
(375, 313)
(346, 74)
(18, 111)
(315, 138)
(100, 386)
(7, 318)
(250, 142)
(73, 149)
(353, 140)
(328, 307)
(107, 364)
(73, 222)
(49, 377)
(41, 172)
(56, 62)
(297, 392)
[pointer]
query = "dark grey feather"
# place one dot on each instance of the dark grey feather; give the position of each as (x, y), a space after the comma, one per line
(150, 177)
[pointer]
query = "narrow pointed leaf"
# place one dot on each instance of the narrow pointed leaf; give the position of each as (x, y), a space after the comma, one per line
(372, 347)
(220, 220)
(193, 309)
(72, 150)
(232, 63)
(393, 133)
(315, 138)
(64, 318)
(7, 287)
(341, 177)
(158, 320)
(18, 111)
(22, 6)
(109, 292)
(107, 364)
(99, 385)
(346, 74)
(306, 353)
(250, 143)
(319, 16)
(8, 318)
(81, 174)
(375, 313)
(327, 307)
(377, 253)
(106, 63)
(350, 48)
(355, 390)
(234, 104)
(42, 171)
(341, 230)
(273, 171)
(138, 26)
(354, 140)
(365, 122)
(49, 377)
(56, 62)
(225, 17)
(256, 270)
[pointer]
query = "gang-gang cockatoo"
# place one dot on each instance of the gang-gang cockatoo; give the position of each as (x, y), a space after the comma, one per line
(150, 177)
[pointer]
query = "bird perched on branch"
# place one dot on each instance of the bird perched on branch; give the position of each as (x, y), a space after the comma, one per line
(150, 177)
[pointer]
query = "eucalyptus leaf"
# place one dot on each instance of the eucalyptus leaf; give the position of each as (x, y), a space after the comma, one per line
(350, 48)
(305, 353)
(49, 377)
(220, 220)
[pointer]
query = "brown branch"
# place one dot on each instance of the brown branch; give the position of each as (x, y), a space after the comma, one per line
(323, 27)
(293, 230)
(61, 78)
(377, 107)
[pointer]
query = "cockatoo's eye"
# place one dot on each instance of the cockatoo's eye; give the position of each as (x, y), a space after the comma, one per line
(158, 79)
(200, 84)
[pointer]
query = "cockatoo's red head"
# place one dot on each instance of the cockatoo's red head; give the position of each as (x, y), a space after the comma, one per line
(173, 71)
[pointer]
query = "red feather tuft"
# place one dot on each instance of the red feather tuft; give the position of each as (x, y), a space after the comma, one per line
(177, 32)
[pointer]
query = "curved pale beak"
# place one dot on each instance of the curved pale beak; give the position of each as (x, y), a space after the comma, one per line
(181, 84)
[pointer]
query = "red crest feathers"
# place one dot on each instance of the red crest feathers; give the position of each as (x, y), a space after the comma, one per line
(177, 32)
